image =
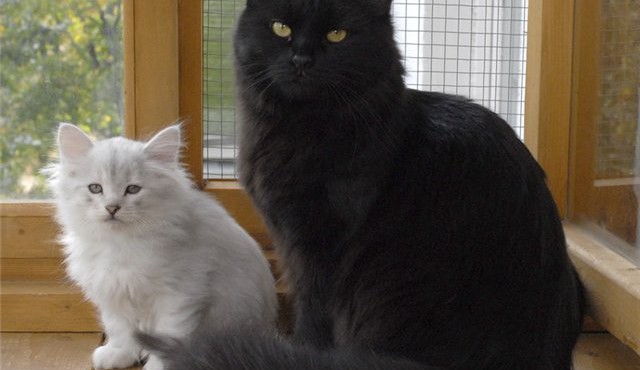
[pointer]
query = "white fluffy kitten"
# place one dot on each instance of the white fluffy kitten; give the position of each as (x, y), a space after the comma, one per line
(150, 251)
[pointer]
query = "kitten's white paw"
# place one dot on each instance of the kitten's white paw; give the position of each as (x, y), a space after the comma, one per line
(111, 357)
(153, 363)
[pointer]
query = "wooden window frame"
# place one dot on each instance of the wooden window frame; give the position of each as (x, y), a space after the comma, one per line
(560, 76)
(163, 84)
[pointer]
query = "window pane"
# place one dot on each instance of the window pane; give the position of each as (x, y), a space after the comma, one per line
(607, 140)
(61, 61)
(219, 114)
(475, 48)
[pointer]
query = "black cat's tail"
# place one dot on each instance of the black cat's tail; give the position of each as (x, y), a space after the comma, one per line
(246, 350)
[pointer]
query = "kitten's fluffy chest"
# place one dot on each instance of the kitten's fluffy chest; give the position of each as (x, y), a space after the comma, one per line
(115, 272)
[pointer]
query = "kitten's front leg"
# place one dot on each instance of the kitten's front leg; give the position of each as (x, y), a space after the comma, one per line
(121, 349)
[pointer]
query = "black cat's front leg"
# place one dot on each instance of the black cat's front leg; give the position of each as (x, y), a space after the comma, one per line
(313, 322)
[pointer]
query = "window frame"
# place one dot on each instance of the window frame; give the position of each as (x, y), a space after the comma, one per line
(561, 64)
(163, 84)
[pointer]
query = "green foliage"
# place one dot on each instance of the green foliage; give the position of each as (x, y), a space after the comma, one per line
(61, 61)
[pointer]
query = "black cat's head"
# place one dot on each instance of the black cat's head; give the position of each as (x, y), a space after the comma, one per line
(307, 50)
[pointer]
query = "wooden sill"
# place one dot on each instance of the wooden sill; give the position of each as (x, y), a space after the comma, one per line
(612, 284)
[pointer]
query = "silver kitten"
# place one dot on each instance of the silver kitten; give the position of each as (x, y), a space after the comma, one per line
(154, 254)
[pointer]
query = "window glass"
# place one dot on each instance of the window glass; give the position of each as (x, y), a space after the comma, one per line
(608, 133)
(61, 61)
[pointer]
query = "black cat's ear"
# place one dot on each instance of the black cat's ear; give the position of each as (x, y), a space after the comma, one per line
(388, 5)
(383, 5)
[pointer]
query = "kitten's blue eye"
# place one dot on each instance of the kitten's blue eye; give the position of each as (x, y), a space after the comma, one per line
(95, 188)
(132, 189)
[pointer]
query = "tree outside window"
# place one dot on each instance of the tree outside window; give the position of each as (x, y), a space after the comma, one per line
(60, 61)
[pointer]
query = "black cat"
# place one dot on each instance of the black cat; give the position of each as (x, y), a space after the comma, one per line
(415, 229)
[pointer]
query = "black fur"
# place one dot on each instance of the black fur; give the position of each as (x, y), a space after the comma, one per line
(247, 350)
(410, 224)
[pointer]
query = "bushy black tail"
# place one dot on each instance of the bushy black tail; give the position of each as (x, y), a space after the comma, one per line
(248, 350)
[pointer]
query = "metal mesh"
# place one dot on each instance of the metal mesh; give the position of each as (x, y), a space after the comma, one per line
(475, 48)
(219, 114)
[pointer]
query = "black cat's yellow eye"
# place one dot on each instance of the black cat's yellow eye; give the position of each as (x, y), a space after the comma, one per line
(336, 36)
(281, 29)
(132, 189)
(95, 188)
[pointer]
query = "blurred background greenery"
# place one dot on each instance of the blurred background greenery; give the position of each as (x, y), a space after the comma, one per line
(60, 61)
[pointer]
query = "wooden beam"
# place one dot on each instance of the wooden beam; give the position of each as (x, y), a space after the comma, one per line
(151, 66)
(548, 93)
(190, 61)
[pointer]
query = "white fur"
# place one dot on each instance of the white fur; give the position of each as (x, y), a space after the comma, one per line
(171, 260)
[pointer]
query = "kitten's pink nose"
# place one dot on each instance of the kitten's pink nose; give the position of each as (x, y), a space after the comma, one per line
(112, 209)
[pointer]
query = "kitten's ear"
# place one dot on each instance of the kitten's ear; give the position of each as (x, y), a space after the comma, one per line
(165, 145)
(73, 143)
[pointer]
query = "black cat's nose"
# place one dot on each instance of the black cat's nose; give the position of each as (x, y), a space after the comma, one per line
(301, 62)
(112, 209)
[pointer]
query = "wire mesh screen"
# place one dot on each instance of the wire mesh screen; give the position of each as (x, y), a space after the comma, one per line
(219, 115)
(475, 48)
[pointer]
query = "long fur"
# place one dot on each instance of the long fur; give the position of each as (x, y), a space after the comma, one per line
(169, 260)
(410, 224)
(266, 352)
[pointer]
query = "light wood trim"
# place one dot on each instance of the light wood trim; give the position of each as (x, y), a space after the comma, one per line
(612, 284)
(27, 236)
(585, 102)
(190, 100)
(151, 66)
(128, 15)
(57, 351)
(26, 209)
(548, 93)
(163, 72)
(43, 269)
(241, 208)
(603, 352)
(533, 82)
(45, 306)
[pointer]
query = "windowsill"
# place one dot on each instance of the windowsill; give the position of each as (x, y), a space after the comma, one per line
(612, 284)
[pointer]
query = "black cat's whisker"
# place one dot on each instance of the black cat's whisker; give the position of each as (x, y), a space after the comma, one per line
(259, 78)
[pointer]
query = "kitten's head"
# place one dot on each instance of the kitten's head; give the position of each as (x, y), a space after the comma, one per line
(116, 184)
(302, 50)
